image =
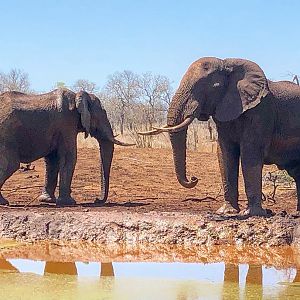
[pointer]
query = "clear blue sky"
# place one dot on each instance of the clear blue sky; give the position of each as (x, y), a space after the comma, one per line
(67, 40)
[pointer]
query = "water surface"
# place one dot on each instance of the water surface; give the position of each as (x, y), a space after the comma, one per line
(24, 278)
(27, 279)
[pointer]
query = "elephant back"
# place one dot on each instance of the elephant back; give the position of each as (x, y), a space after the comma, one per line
(284, 90)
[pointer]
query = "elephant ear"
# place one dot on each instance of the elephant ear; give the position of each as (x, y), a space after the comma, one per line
(82, 100)
(65, 98)
(247, 86)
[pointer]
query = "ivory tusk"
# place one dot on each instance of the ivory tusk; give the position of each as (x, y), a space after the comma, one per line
(152, 132)
(178, 127)
(121, 143)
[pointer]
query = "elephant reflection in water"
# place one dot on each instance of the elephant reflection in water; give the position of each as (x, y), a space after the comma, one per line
(107, 269)
(254, 280)
(297, 277)
(65, 268)
(231, 276)
(69, 268)
(7, 266)
(254, 277)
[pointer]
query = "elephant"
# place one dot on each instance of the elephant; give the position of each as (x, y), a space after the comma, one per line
(257, 120)
(46, 125)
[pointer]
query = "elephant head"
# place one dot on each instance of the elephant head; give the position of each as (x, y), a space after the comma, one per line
(94, 122)
(223, 89)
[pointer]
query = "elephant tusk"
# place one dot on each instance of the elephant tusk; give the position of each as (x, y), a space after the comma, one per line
(121, 143)
(178, 127)
(152, 132)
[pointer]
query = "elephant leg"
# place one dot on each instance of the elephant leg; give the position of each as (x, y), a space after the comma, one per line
(9, 163)
(254, 277)
(298, 193)
(252, 164)
(67, 161)
(295, 173)
(52, 168)
(228, 156)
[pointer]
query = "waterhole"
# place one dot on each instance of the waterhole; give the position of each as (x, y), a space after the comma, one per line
(63, 271)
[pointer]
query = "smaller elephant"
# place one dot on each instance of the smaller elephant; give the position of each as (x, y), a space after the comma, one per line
(257, 120)
(46, 125)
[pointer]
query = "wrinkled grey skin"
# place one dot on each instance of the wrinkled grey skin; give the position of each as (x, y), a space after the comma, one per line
(35, 126)
(258, 121)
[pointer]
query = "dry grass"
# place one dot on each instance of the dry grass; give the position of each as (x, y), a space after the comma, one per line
(198, 139)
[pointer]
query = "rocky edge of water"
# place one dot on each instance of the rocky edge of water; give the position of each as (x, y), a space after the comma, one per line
(154, 227)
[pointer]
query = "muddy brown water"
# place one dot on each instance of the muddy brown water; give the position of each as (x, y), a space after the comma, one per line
(78, 270)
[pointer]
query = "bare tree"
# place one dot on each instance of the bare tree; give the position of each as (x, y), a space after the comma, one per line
(155, 93)
(59, 85)
(294, 76)
(111, 106)
(167, 91)
(85, 85)
(138, 102)
(123, 89)
(14, 80)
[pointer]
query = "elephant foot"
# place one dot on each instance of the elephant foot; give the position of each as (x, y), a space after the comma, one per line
(296, 215)
(256, 211)
(65, 201)
(99, 202)
(3, 201)
(228, 209)
(46, 198)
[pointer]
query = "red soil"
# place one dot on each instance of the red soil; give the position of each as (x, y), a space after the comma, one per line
(142, 180)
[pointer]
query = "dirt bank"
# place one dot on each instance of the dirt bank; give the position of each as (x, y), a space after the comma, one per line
(101, 226)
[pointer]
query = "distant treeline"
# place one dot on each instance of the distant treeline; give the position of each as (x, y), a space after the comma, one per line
(134, 102)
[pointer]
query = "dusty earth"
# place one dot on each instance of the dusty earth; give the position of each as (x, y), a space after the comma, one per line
(142, 180)
(146, 205)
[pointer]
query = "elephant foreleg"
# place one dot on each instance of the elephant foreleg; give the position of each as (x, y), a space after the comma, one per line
(252, 164)
(228, 156)
(295, 173)
(9, 163)
(67, 163)
(51, 176)
(298, 194)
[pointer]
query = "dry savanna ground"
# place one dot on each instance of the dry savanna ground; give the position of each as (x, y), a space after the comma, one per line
(142, 180)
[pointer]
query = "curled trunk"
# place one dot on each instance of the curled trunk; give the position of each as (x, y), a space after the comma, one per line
(176, 113)
(106, 154)
(178, 141)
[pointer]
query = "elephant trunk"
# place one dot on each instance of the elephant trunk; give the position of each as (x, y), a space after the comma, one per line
(106, 155)
(178, 141)
(176, 114)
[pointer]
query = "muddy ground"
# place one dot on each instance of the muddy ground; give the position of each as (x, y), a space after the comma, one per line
(144, 191)
(142, 180)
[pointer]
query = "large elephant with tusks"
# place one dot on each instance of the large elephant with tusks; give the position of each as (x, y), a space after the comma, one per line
(35, 126)
(258, 121)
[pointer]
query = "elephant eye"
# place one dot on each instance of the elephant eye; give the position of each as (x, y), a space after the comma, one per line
(205, 66)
